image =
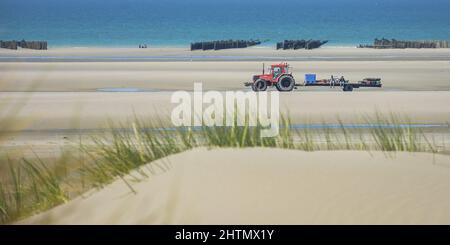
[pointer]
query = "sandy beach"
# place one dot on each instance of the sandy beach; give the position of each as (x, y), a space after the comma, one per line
(53, 98)
(252, 186)
(73, 93)
(82, 70)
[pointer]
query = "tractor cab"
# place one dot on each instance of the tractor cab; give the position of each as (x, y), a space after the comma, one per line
(274, 72)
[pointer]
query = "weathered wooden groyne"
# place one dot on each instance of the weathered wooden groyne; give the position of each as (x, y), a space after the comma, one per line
(401, 44)
(8, 44)
(39, 45)
(300, 44)
(223, 44)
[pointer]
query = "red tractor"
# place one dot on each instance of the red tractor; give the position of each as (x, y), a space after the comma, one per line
(278, 76)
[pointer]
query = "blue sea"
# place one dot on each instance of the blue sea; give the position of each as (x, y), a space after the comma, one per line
(128, 23)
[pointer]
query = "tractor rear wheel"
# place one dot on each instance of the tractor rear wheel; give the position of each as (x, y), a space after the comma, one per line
(285, 84)
(259, 85)
(348, 88)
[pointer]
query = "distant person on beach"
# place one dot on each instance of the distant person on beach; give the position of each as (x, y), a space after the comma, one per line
(342, 81)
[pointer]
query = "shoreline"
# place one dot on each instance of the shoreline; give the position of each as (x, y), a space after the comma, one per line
(160, 54)
(183, 45)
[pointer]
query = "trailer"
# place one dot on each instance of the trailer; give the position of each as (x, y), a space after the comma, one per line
(280, 76)
(336, 81)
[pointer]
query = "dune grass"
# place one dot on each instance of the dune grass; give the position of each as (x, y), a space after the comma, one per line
(34, 185)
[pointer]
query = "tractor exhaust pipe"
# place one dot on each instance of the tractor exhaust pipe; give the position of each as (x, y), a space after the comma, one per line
(263, 69)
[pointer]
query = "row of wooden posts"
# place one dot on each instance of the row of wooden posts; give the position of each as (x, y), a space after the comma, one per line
(229, 44)
(286, 44)
(300, 44)
(400, 44)
(40, 45)
(223, 44)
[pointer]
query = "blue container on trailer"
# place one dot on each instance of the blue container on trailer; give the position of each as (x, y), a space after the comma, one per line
(310, 78)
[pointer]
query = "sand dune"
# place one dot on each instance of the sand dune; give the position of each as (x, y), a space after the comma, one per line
(273, 186)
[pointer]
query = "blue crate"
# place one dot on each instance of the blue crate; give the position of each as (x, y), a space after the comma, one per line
(310, 78)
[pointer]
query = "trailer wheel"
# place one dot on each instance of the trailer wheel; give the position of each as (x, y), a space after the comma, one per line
(348, 88)
(285, 84)
(259, 85)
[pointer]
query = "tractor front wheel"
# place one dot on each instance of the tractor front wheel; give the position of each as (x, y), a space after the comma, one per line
(285, 84)
(259, 85)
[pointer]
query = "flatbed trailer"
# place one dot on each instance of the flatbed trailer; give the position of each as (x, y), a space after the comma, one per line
(344, 84)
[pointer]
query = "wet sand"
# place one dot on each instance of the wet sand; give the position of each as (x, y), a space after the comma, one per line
(93, 110)
(258, 53)
(216, 75)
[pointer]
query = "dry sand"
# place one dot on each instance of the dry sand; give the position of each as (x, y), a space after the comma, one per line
(273, 186)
